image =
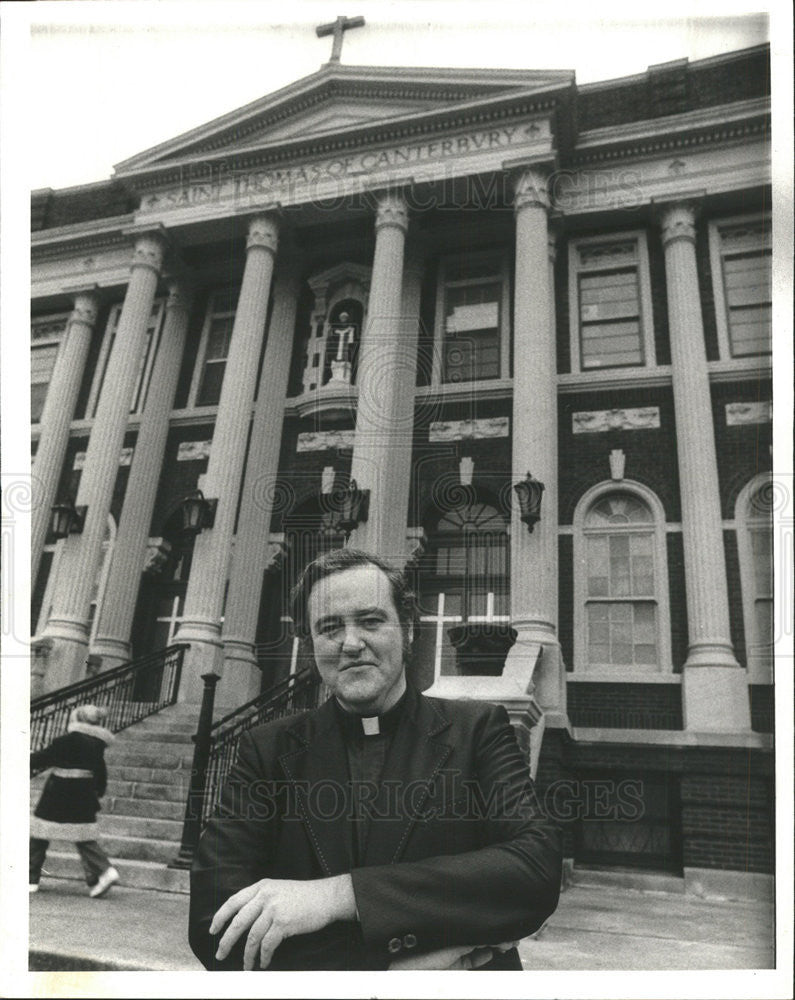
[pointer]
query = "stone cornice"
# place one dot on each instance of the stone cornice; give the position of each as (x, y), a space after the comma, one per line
(721, 124)
(480, 113)
(98, 234)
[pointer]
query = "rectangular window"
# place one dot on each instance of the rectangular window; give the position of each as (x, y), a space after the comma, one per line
(471, 326)
(145, 361)
(46, 334)
(610, 303)
(214, 349)
(741, 254)
(621, 610)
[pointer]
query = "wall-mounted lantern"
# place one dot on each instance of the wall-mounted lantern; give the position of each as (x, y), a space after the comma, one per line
(66, 519)
(529, 491)
(198, 513)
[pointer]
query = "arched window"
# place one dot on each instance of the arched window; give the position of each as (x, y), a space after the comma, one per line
(620, 579)
(465, 579)
(754, 522)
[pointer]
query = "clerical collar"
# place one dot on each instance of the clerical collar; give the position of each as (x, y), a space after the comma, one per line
(374, 725)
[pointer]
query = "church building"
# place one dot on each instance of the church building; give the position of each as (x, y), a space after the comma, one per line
(510, 332)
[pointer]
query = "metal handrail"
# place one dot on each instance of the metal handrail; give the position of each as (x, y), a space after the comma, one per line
(297, 693)
(216, 746)
(119, 690)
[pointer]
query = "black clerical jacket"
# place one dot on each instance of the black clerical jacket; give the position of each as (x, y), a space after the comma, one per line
(459, 851)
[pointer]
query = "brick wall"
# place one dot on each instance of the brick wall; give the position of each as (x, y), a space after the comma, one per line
(625, 706)
(743, 450)
(566, 598)
(762, 697)
(677, 598)
(650, 454)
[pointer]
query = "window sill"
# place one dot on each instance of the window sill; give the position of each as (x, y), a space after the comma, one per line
(622, 677)
(615, 378)
(728, 368)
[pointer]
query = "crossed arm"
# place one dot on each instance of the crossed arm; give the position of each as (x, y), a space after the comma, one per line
(518, 873)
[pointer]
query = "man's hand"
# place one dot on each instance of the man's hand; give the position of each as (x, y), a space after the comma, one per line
(461, 957)
(274, 909)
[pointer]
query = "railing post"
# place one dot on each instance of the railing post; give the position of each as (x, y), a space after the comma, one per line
(191, 828)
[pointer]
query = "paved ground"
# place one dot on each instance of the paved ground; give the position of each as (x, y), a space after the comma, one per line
(595, 927)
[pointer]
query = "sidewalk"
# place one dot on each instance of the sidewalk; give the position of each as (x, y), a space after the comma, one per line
(595, 927)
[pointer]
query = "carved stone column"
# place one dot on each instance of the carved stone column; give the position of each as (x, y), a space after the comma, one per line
(714, 686)
(242, 678)
(387, 372)
(534, 429)
(204, 601)
(112, 643)
(56, 418)
(80, 558)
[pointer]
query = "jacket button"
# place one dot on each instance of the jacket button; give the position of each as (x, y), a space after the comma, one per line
(395, 946)
(410, 941)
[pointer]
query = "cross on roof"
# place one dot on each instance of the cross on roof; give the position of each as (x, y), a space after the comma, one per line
(336, 28)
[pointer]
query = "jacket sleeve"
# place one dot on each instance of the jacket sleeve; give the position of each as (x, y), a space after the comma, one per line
(502, 891)
(233, 852)
(48, 756)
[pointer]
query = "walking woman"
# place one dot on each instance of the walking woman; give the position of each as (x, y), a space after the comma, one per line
(69, 802)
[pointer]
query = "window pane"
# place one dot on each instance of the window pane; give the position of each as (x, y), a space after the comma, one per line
(472, 331)
(210, 391)
(747, 285)
(610, 334)
(218, 338)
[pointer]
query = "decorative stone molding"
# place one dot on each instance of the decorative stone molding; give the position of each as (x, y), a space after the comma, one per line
(531, 190)
(263, 231)
(157, 553)
(392, 211)
(749, 413)
(324, 440)
(149, 251)
(466, 470)
(85, 309)
(416, 543)
(125, 458)
(277, 552)
(598, 421)
(180, 294)
(467, 430)
(617, 463)
(678, 223)
(193, 451)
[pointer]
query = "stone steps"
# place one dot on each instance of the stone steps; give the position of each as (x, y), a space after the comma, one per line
(140, 824)
(136, 874)
(139, 827)
(145, 807)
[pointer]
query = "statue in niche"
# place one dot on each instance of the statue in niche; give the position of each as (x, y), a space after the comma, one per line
(343, 342)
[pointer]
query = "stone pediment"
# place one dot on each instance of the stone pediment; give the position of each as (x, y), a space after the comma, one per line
(337, 99)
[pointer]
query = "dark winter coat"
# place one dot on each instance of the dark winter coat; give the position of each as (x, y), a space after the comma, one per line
(69, 802)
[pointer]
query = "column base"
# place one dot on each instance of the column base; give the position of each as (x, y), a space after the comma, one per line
(204, 655)
(535, 658)
(715, 699)
(242, 678)
(64, 662)
(110, 653)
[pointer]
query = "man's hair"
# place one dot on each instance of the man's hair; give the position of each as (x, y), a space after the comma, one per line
(337, 561)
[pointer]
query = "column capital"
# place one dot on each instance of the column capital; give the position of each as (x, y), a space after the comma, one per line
(392, 211)
(149, 250)
(180, 292)
(530, 190)
(678, 222)
(263, 232)
(86, 307)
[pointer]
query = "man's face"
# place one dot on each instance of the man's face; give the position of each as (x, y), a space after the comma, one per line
(357, 639)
